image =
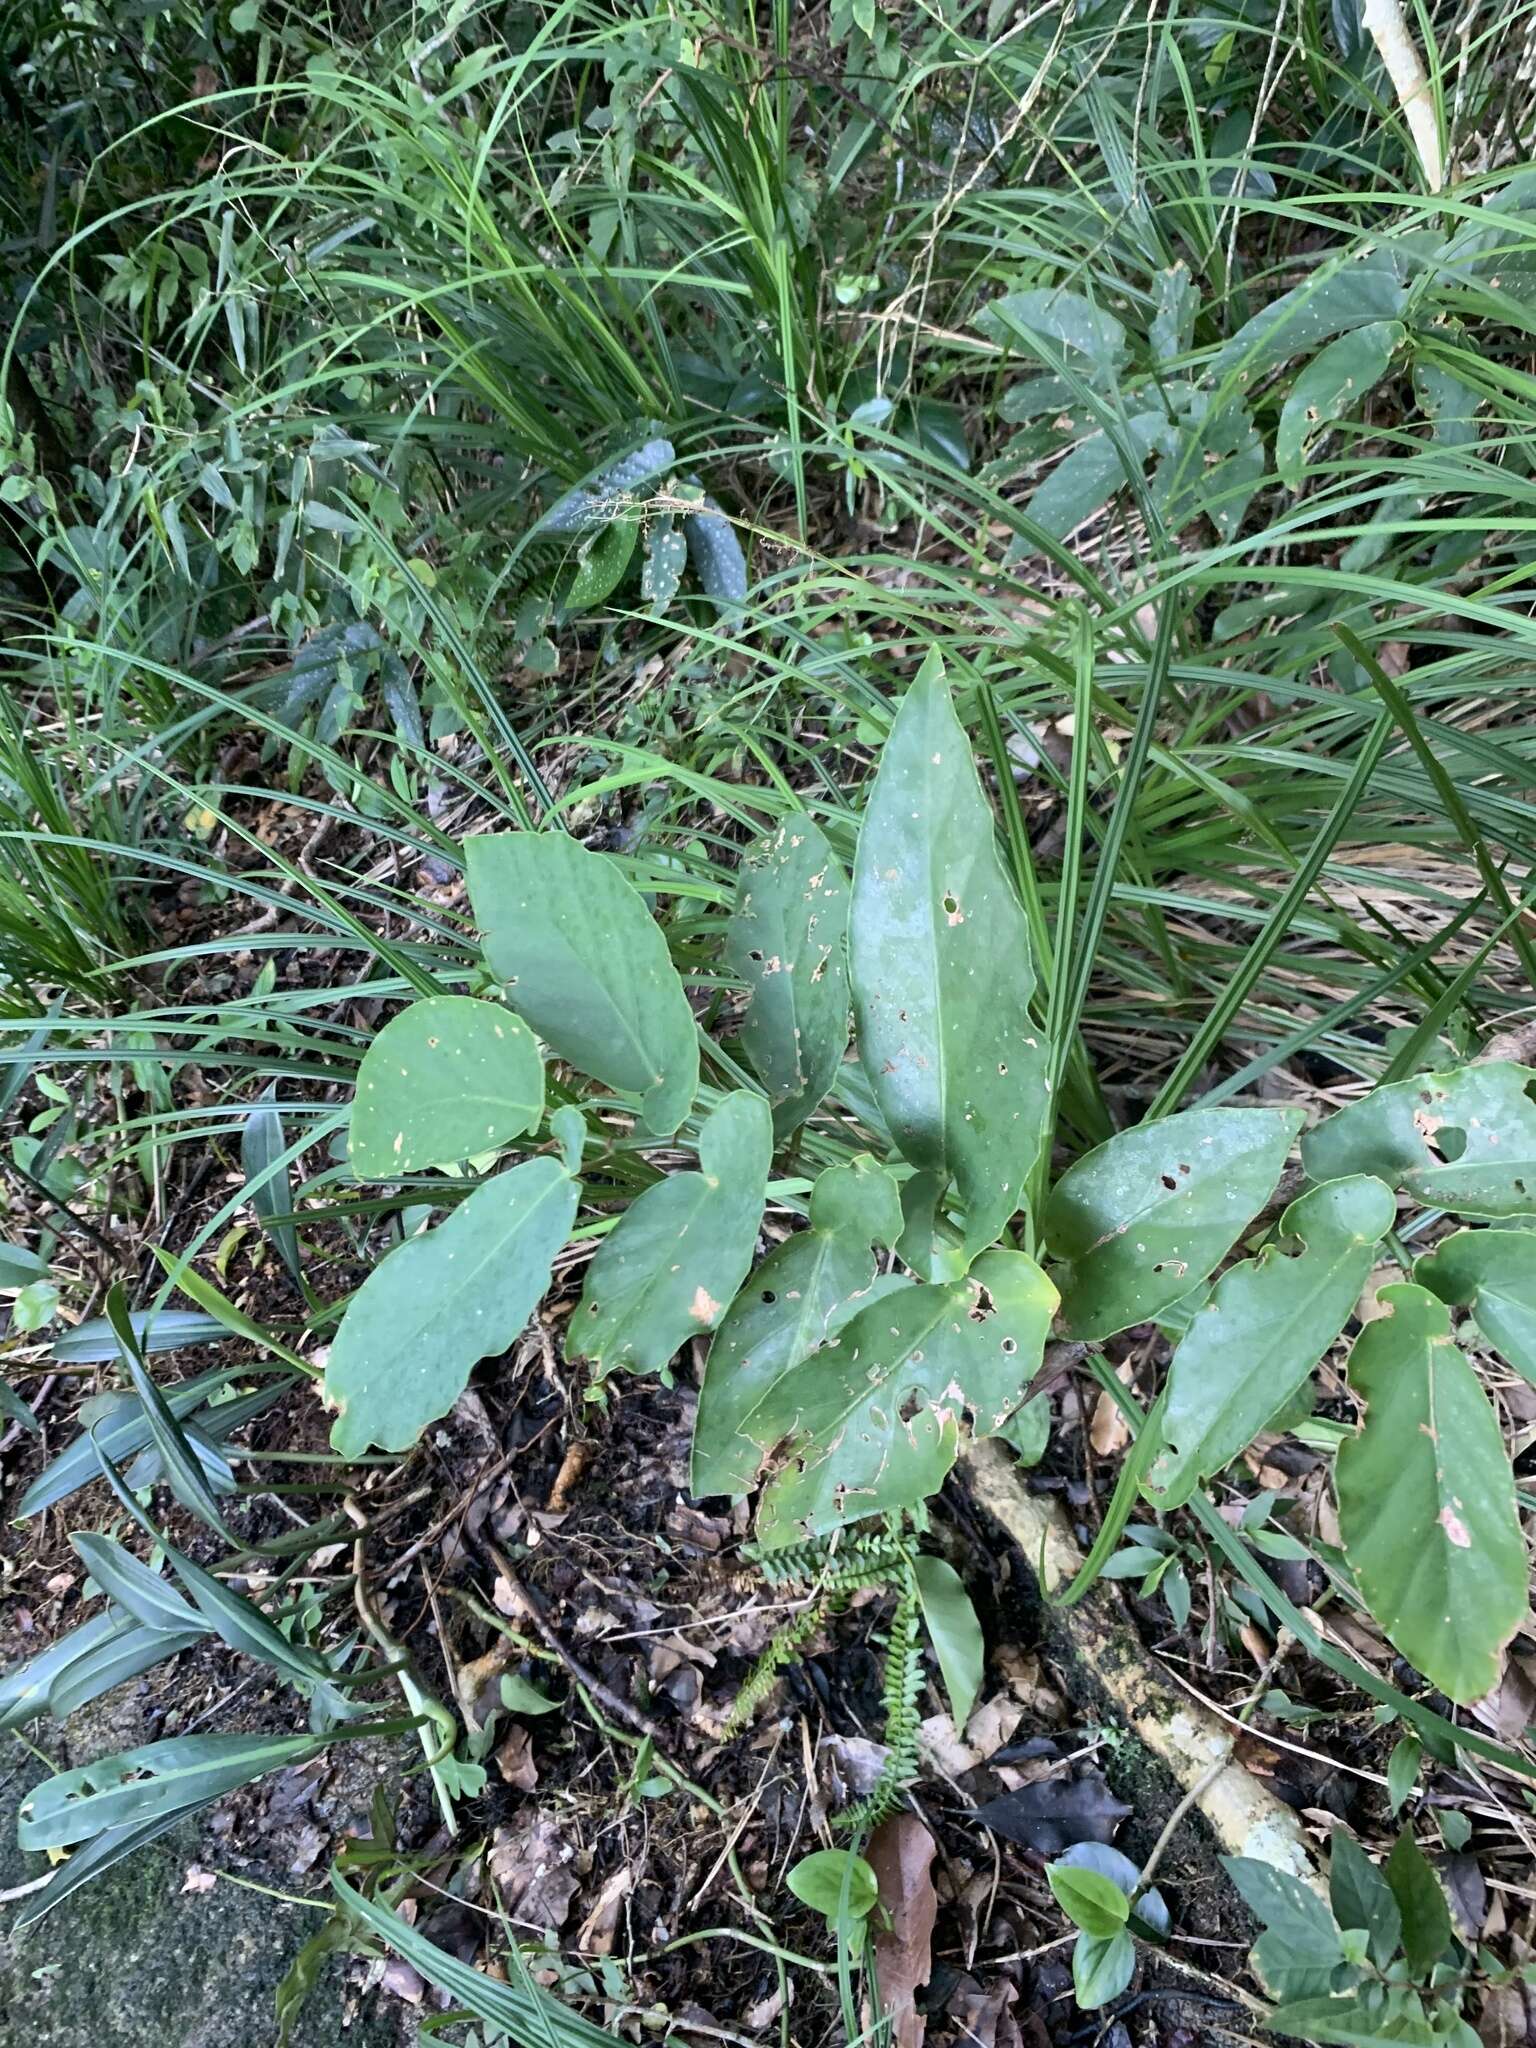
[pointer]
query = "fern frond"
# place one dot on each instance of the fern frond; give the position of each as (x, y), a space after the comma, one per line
(902, 1692)
(834, 1565)
(763, 1676)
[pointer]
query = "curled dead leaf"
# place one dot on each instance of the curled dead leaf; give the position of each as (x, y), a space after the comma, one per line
(901, 1855)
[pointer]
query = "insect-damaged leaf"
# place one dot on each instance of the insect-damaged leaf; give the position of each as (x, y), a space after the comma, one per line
(871, 1422)
(1149, 1213)
(790, 1305)
(447, 1078)
(587, 965)
(1332, 385)
(1360, 291)
(1492, 1272)
(678, 1254)
(787, 939)
(1427, 1499)
(941, 968)
(1265, 1327)
(1464, 1141)
(439, 1303)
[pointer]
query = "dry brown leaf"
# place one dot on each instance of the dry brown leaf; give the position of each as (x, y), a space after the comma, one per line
(515, 1761)
(1511, 1706)
(531, 1864)
(901, 1855)
(985, 1733)
(600, 1929)
(1109, 1432)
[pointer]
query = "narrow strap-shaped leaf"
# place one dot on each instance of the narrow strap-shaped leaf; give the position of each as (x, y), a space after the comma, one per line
(183, 1468)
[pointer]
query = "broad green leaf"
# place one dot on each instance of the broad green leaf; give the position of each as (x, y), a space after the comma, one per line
(19, 1267)
(1361, 1897)
(666, 557)
(1425, 1914)
(1299, 1950)
(601, 564)
(1331, 386)
(1147, 1215)
(787, 939)
(1265, 1327)
(14, 1409)
(585, 962)
(446, 1079)
(1177, 299)
(835, 1882)
(1101, 1968)
(1090, 1900)
(872, 1421)
(1345, 2022)
(1083, 482)
(716, 556)
(1360, 291)
(1091, 341)
(519, 1697)
(955, 1633)
(437, 1304)
(786, 1310)
(942, 975)
(681, 1250)
(1427, 1499)
(1464, 1141)
(1403, 1770)
(1492, 1272)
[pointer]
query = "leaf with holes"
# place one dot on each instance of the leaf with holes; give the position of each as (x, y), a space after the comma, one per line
(447, 1078)
(787, 939)
(426, 1314)
(871, 1422)
(1265, 1327)
(1492, 1272)
(792, 1304)
(1464, 1141)
(1355, 294)
(941, 968)
(1427, 1499)
(680, 1251)
(585, 962)
(1332, 385)
(1148, 1214)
